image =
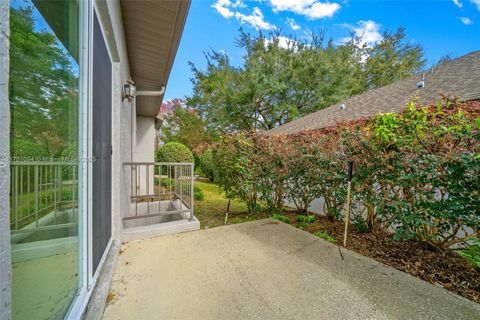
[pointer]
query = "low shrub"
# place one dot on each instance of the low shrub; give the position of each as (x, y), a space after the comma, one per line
(472, 253)
(281, 217)
(198, 195)
(325, 236)
(174, 152)
(199, 172)
(165, 182)
(306, 218)
(360, 224)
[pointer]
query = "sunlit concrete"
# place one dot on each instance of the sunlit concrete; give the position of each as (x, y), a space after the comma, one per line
(267, 270)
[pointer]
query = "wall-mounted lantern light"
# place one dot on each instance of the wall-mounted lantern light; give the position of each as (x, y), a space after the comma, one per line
(129, 90)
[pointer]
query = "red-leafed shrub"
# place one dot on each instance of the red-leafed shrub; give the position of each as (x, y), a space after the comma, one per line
(416, 172)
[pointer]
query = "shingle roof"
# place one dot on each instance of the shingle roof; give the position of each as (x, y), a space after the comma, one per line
(459, 77)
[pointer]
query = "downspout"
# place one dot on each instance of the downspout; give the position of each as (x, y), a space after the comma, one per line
(133, 111)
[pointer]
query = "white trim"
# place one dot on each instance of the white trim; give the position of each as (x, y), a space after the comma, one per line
(94, 276)
(90, 278)
(101, 262)
(90, 148)
(99, 12)
(79, 303)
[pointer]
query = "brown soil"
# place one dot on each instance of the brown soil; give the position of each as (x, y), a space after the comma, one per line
(432, 264)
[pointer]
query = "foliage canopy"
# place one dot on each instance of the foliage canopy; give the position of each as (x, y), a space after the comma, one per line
(43, 90)
(277, 83)
(416, 172)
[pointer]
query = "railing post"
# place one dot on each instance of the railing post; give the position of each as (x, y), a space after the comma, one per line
(136, 190)
(60, 191)
(35, 192)
(175, 180)
(21, 192)
(28, 190)
(15, 196)
(55, 191)
(192, 181)
(147, 187)
(73, 191)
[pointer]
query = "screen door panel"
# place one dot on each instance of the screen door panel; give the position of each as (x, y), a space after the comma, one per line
(102, 146)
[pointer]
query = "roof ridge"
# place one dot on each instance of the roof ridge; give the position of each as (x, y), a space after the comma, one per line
(393, 96)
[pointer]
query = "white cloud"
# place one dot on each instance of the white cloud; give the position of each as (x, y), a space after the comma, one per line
(229, 3)
(466, 21)
(292, 24)
(256, 19)
(283, 42)
(368, 32)
(224, 11)
(312, 9)
(457, 3)
(321, 10)
(476, 3)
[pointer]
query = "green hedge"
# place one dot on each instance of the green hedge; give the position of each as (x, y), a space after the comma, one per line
(174, 152)
(416, 172)
(206, 164)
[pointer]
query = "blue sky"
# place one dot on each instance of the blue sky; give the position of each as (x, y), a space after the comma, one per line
(441, 27)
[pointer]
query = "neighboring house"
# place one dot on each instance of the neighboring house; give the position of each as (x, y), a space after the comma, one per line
(64, 72)
(456, 78)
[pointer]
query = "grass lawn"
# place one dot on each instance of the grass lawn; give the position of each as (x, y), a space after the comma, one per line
(211, 210)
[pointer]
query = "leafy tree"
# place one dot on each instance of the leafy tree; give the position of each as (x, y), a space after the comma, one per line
(275, 84)
(392, 59)
(279, 82)
(184, 125)
(43, 89)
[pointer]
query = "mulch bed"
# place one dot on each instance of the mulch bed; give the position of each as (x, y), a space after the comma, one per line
(432, 264)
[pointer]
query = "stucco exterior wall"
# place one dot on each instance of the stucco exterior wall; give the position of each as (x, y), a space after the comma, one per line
(145, 152)
(121, 121)
(127, 128)
(5, 266)
(145, 133)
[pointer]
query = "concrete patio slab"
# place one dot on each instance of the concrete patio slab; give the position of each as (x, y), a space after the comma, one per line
(267, 270)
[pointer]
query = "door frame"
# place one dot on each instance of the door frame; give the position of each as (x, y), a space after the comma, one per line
(93, 276)
(83, 294)
(88, 278)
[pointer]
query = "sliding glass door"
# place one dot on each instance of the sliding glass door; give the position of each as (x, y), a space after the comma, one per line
(44, 206)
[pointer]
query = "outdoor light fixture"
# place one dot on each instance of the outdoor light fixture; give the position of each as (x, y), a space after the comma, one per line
(129, 90)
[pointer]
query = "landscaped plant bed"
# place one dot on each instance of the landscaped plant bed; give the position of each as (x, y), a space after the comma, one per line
(427, 262)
